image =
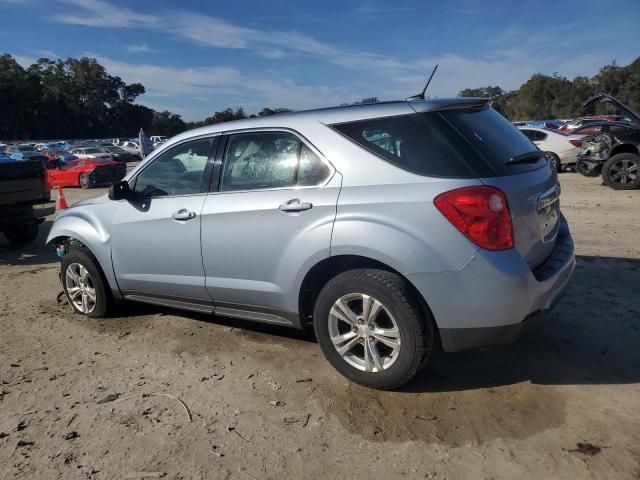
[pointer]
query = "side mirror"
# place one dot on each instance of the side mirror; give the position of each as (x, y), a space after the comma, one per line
(120, 191)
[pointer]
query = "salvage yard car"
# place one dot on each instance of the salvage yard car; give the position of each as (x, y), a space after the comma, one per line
(85, 173)
(391, 228)
(615, 155)
(560, 149)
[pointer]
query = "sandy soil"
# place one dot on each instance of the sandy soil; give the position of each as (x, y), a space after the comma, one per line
(564, 402)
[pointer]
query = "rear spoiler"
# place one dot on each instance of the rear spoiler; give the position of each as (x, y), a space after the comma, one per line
(603, 97)
(449, 104)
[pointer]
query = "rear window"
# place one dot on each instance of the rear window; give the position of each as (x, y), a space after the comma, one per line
(463, 143)
(494, 138)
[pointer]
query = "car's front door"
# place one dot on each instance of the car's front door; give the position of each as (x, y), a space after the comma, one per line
(270, 217)
(155, 236)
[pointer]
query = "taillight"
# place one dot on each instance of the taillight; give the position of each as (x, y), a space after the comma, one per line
(576, 143)
(481, 213)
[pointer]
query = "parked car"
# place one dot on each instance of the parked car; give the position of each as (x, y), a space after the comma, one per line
(613, 155)
(20, 149)
(559, 149)
(25, 199)
(600, 127)
(573, 125)
(61, 155)
(131, 147)
(389, 228)
(120, 154)
(85, 172)
(91, 153)
(158, 139)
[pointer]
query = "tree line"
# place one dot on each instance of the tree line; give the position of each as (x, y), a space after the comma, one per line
(554, 96)
(78, 98)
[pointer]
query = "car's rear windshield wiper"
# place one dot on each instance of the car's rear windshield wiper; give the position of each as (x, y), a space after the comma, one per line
(529, 157)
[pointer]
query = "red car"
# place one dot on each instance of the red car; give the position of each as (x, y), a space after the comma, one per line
(85, 172)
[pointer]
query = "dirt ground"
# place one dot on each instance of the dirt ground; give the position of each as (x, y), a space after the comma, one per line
(564, 402)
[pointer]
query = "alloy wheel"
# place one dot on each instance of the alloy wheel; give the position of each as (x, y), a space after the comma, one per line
(553, 160)
(364, 332)
(80, 288)
(624, 171)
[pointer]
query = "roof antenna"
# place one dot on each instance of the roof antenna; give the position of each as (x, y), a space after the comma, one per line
(420, 96)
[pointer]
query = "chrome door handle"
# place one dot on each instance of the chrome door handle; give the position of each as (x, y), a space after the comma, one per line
(183, 214)
(295, 205)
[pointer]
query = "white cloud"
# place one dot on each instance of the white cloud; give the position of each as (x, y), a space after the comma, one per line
(140, 48)
(98, 13)
(202, 84)
(172, 81)
(384, 76)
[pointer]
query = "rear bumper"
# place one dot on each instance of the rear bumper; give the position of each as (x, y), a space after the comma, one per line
(495, 296)
(568, 156)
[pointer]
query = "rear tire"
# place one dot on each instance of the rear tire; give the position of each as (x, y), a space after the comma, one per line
(84, 285)
(21, 234)
(383, 346)
(85, 181)
(622, 171)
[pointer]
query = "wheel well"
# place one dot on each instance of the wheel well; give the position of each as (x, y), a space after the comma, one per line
(624, 148)
(75, 244)
(328, 268)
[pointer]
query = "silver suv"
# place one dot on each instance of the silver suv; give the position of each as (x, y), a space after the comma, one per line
(393, 229)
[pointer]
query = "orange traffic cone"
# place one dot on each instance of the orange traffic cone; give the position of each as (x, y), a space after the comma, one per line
(61, 202)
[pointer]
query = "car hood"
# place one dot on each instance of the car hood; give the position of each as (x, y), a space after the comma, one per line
(603, 97)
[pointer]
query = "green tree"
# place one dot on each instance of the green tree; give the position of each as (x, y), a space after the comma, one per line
(167, 123)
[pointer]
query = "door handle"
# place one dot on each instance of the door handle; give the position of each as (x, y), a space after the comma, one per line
(295, 205)
(183, 214)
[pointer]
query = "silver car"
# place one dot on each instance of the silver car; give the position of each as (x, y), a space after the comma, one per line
(392, 229)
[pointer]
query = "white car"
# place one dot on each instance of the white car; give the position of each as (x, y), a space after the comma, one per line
(90, 153)
(131, 147)
(158, 138)
(561, 150)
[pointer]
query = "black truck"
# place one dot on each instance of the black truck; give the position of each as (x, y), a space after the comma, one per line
(25, 199)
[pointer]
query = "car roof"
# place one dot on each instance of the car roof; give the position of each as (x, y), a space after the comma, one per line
(333, 115)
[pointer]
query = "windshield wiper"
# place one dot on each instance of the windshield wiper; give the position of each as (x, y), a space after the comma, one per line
(529, 157)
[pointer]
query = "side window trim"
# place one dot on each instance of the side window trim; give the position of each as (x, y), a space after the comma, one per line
(214, 184)
(207, 171)
(222, 146)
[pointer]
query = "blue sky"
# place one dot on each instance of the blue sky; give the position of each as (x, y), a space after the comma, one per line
(196, 57)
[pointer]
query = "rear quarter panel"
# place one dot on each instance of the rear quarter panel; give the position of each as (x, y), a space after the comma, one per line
(400, 226)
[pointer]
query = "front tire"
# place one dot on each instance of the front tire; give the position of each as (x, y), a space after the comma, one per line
(84, 285)
(622, 171)
(373, 329)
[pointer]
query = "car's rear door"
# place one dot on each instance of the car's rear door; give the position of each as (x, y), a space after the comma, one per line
(155, 236)
(268, 218)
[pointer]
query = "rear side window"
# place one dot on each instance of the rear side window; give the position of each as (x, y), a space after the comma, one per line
(534, 135)
(421, 143)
